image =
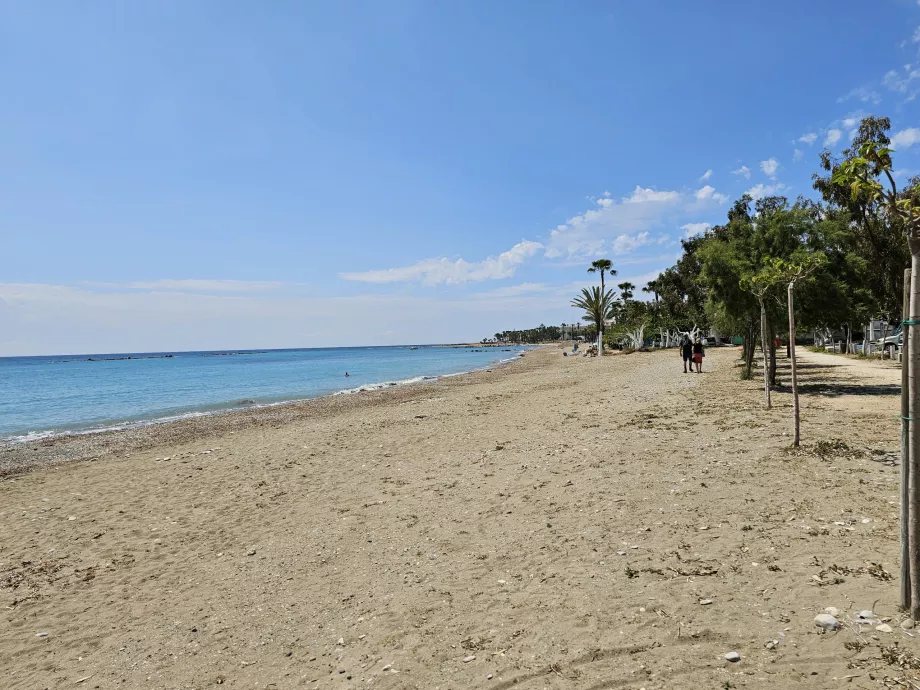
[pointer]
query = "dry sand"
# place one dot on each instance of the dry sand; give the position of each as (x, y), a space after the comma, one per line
(559, 523)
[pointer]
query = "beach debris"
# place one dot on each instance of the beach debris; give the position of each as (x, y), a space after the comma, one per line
(733, 657)
(468, 659)
(705, 602)
(489, 677)
(884, 628)
(251, 552)
(387, 667)
(41, 635)
(341, 642)
(826, 621)
(71, 517)
(832, 610)
(907, 624)
(772, 644)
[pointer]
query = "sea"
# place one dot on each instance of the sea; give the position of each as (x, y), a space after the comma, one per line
(48, 396)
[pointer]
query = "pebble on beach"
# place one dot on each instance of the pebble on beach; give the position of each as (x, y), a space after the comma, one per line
(733, 657)
(827, 622)
(468, 659)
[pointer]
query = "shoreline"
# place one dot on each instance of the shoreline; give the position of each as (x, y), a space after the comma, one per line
(18, 454)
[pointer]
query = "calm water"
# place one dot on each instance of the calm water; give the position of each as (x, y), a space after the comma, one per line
(47, 395)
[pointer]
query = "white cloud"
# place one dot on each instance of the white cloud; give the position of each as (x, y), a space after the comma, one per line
(611, 225)
(916, 37)
(623, 244)
(850, 122)
(809, 138)
(640, 196)
(862, 94)
(691, 229)
(833, 136)
(899, 83)
(769, 167)
(906, 138)
(438, 271)
(759, 191)
(709, 192)
(743, 171)
(706, 175)
(797, 155)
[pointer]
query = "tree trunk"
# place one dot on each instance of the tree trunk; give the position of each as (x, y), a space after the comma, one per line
(913, 444)
(884, 335)
(601, 325)
(905, 456)
(766, 364)
(795, 381)
(771, 333)
(751, 344)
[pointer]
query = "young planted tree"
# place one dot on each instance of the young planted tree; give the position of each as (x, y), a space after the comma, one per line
(861, 174)
(760, 286)
(597, 307)
(781, 272)
(601, 266)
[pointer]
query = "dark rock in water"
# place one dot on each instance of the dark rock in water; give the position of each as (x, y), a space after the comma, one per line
(246, 401)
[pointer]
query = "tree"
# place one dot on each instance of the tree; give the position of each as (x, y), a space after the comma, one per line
(861, 175)
(627, 290)
(598, 307)
(601, 266)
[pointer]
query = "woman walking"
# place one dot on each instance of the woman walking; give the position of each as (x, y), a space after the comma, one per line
(698, 353)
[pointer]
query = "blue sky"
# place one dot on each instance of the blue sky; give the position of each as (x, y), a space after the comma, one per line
(237, 174)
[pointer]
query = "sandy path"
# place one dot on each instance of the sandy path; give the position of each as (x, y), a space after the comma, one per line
(885, 370)
(560, 521)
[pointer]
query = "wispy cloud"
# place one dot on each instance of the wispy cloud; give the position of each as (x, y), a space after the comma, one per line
(744, 171)
(705, 176)
(691, 229)
(832, 137)
(709, 192)
(759, 191)
(809, 138)
(769, 167)
(453, 272)
(797, 155)
(863, 95)
(906, 138)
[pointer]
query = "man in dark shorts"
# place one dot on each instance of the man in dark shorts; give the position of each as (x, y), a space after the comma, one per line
(686, 352)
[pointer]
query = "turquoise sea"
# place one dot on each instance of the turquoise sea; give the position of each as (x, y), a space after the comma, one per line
(43, 396)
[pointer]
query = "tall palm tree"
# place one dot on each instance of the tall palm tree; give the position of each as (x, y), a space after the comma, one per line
(562, 332)
(598, 307)
(653, 287)
(601, 266)
(626, 290)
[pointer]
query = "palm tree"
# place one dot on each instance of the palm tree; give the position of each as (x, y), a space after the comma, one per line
(562, 332)
(626, 290)
(601, 266)
(653, 288)
(598, 307)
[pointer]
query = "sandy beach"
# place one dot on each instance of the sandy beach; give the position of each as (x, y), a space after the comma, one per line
(555, 523)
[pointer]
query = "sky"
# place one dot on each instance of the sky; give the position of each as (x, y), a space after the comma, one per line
(227, 174)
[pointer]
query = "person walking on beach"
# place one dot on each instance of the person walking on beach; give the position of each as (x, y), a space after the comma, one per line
(698, 354)
(686, 352)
